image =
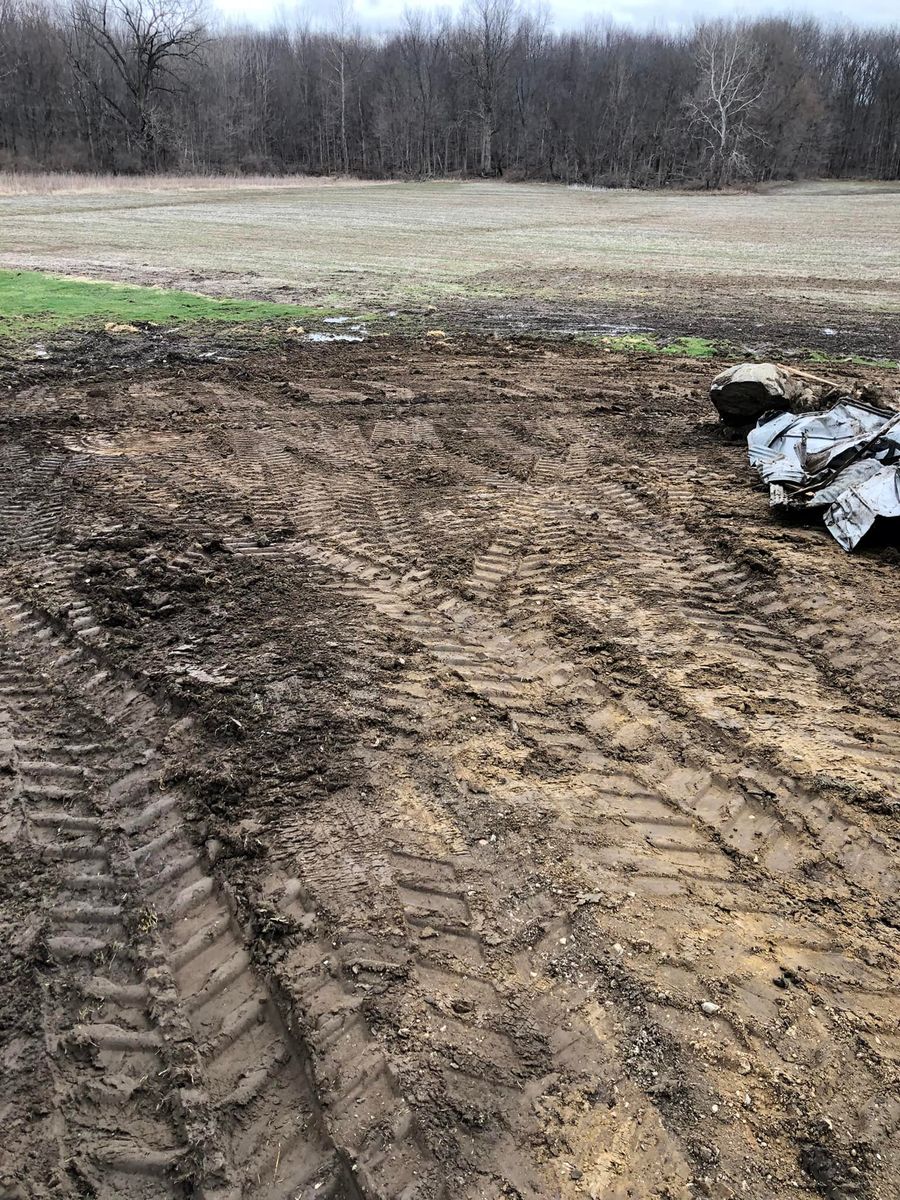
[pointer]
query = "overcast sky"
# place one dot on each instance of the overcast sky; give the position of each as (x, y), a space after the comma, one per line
(571, 14)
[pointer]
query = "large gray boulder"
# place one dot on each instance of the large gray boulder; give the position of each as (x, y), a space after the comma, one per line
(743, 393)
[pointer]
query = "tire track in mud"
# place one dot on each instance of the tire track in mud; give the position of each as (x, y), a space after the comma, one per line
(406, 543)
(638, 547)
(877, 996)
(677, 862)
(801, 809)
(422, 893)
(32, 527)
(506, 680)
(818, 627)
(502, 1052)
(539, 915)
(689, 642)
(735, 810)
(25, 523)
(363, 1091)
(107, 1049)
(489, 1074)
(503, 1060)
(527, 680)
(453, 882)
(811, 610)
(237, 1079)
(585, 472)
(768, 626)
(883, 1001)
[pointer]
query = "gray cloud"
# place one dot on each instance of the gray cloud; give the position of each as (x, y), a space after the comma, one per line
(383, 15)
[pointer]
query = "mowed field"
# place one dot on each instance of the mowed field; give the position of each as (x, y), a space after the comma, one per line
(823, 256)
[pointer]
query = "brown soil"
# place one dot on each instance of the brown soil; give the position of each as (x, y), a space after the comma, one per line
(430, 770)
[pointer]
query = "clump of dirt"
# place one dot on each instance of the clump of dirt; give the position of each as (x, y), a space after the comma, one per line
(252, 655)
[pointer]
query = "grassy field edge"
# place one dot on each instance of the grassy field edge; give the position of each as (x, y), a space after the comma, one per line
(32, 303)
(36, 303)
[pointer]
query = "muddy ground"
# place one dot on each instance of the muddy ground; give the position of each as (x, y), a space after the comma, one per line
(819, 262)
(430, 770)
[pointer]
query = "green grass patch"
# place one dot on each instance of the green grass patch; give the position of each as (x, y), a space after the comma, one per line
(33, 303)
(693, 347)
(855, 360)
(630, 341)
(701, 348)
(685, 347)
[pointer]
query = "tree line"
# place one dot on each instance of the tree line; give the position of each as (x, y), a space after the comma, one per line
(153, 85)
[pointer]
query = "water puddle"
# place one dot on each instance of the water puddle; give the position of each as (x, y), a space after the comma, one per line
(334, 337)
(355, 332)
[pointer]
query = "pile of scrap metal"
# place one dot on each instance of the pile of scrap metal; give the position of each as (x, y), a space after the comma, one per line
(843, 460)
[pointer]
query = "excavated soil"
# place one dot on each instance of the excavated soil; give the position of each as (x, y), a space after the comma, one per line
(430, 770)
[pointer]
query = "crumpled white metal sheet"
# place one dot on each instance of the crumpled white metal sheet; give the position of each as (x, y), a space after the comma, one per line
(855, 510)
(845, 460)
(791, 448)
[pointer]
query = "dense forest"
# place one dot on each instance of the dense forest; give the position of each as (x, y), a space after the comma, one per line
(149, 85)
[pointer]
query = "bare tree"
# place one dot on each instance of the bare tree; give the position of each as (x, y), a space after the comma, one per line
(132, 53)
(139, 84)
(529, 57)
(6, 16)
(727, 93)
(347, 52)
(489, 30)
(420, 47)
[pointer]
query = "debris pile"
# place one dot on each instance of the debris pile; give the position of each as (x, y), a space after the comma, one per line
(844, 460)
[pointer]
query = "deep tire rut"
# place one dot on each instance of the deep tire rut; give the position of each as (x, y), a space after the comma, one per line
(180, 1001)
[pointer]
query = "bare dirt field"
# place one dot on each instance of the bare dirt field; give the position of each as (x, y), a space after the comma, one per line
(429, 770)
(817, 263)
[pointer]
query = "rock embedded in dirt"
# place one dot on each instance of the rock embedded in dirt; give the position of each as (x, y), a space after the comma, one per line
(743, 393)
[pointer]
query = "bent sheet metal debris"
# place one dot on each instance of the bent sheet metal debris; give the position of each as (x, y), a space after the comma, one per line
(845, 460)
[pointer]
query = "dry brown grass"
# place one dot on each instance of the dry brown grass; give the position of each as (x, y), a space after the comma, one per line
(826, 254)
(45, 183)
